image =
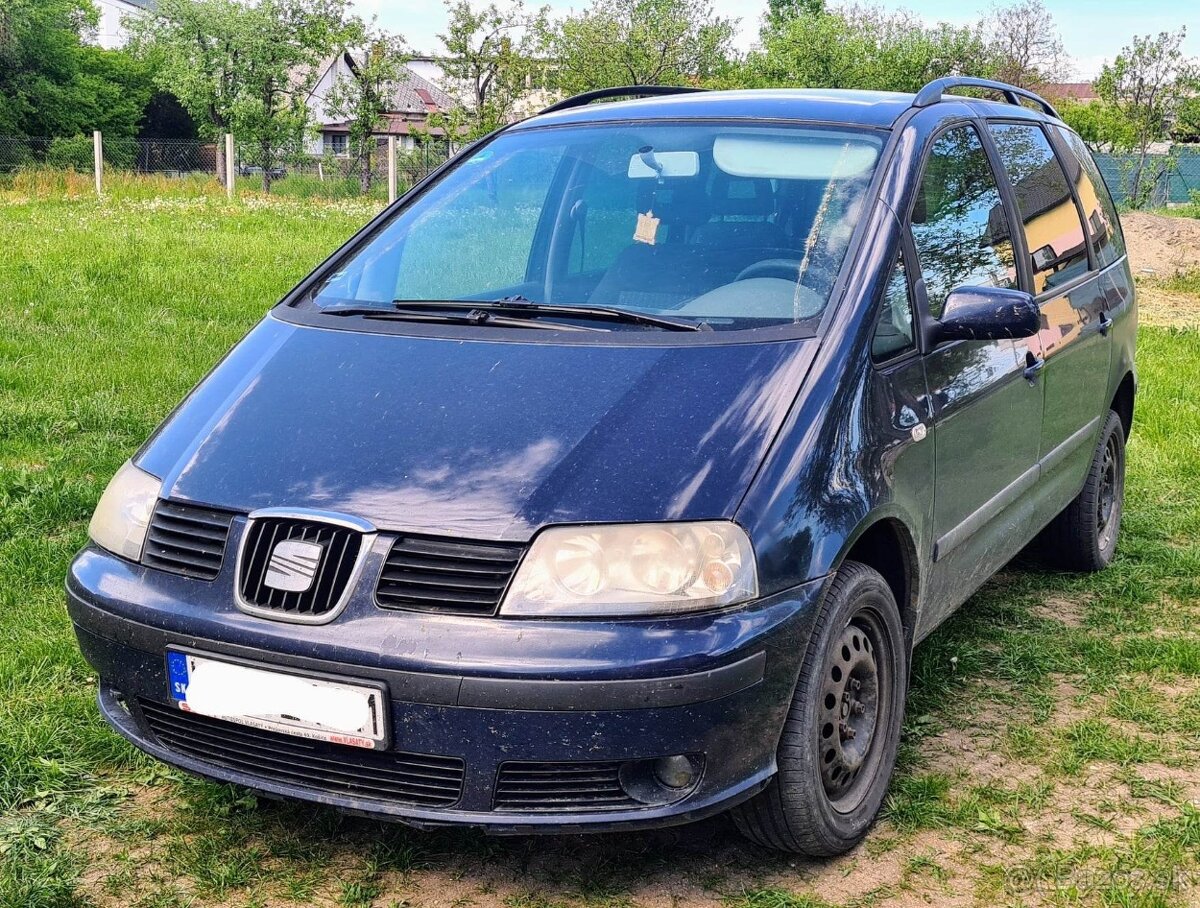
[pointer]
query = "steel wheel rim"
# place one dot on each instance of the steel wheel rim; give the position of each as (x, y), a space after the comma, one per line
(1108, 499)
(854, 710)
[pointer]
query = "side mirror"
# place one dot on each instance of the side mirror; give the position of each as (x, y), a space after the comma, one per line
(986, 313)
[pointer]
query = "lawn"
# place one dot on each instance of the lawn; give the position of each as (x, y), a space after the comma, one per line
(1052, 749)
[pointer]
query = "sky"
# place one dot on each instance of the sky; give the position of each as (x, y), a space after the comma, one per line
(1093, 31)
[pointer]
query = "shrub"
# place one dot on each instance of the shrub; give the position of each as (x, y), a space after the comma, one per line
(73, 153)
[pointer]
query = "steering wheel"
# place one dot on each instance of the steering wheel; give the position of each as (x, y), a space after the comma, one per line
(788, 269)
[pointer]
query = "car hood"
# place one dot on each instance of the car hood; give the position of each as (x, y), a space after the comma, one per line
(483, 439)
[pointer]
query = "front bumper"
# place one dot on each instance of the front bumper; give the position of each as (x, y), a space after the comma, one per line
(489, 692)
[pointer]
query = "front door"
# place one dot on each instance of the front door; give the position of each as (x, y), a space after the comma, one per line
(987, 414)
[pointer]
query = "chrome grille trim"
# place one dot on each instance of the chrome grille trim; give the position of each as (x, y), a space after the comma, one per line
(346, 546)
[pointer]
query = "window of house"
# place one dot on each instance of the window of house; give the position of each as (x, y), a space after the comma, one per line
(894, 330)
(958, 220)
(1098, 208)
(336, 142)
(1054, 234)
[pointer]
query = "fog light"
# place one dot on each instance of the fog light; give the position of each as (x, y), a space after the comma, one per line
(674, 772)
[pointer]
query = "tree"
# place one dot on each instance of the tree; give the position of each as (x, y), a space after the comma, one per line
(195, 46)
(1187, 120)
(284, 44)
(246, 68)
(780, 11)
(1147, 83)
(491, 61)
(1101, 125)
(639, 42)
(1025, 44)
(54, 85)
(362, 98)
(862, 47)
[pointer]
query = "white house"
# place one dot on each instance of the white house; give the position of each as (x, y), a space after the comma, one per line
(414, 98)
(111, 31)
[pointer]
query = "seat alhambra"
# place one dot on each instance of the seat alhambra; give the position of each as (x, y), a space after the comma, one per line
(609, 477)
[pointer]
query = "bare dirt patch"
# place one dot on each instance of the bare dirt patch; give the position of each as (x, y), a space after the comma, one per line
(1070, 612)
(1161, 246)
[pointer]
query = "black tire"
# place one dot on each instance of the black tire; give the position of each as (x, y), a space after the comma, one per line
(810, 807)
(1084, 536)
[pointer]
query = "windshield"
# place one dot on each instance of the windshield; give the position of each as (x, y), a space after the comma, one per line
(721, 226)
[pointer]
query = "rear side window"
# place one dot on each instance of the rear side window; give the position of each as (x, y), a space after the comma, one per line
(1098, 207)
(958, 221)
(1053, 231)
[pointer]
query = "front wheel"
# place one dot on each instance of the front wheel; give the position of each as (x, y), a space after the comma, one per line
(838, 745)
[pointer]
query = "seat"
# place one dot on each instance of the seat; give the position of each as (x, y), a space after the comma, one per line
(740, 209)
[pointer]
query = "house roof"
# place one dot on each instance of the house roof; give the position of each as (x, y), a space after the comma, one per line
(411, 94)
(1079, 91)
(415, 94)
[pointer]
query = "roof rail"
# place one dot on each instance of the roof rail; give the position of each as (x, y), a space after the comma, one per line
(625, 91)
(933, 91)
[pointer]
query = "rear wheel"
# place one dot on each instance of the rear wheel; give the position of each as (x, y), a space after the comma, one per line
(838, 745)
(1084, 536)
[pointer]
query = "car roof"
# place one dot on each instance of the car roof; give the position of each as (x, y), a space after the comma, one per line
(873, 109)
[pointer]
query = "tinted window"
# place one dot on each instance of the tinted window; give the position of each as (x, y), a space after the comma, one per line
(729, 225)
(1053, 231)
(1098, 207)
(894, 331)
(958, 221)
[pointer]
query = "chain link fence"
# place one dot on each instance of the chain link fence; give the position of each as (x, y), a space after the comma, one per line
(161, 156)
(300, 175)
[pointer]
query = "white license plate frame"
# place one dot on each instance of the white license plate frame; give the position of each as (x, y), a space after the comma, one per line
(305, 705)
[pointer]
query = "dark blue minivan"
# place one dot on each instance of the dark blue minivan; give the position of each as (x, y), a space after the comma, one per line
(609, 477)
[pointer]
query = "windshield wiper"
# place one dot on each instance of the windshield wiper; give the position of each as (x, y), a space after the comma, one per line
(529, 309)
(471, 315)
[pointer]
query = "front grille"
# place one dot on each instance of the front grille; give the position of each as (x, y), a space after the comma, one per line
(403, 778)
(561, 786)
(444, 575)
(339, 552)
(186, 539)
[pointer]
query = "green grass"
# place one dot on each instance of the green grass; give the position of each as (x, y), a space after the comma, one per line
(1079, 788)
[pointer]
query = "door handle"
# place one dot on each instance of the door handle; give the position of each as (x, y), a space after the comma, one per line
(1105, 324)
(1033, 366)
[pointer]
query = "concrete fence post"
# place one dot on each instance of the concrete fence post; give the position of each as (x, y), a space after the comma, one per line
(391, 169)
(98, 160)
(229, 169)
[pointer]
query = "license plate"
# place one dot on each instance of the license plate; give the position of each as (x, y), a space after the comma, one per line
(297, 705)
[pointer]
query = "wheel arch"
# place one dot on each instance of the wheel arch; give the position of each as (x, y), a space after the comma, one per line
(885, 543)
(1123, 400)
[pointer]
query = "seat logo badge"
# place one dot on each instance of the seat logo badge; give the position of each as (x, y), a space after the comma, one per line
(918, 432)
(293, 565)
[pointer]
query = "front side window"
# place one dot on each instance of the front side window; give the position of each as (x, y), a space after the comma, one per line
(1053, 231)
(723, 226)
(1098, 207)
(894, 330)
(958, 221)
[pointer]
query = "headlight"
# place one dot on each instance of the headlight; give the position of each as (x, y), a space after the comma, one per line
(123, 513)
(633, 569)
